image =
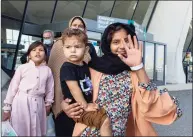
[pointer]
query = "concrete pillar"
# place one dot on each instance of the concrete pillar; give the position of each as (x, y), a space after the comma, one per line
(170, 24)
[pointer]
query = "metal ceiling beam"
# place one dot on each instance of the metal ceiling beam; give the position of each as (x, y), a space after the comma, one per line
(84, 8)
(135, 10)
(20, 34)
(15, 19)
(53, 12)
(112, 8)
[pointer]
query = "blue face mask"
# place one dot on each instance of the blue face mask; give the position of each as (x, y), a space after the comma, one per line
(47, 41)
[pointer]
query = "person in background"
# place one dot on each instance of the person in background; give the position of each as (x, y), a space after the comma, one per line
(48, 41)
(63, 124)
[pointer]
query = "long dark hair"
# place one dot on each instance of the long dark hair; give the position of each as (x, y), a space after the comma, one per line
(34, 45)
(110, 30)
(110, 63)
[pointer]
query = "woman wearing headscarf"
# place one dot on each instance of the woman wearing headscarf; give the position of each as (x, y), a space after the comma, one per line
(122, 87)
(56, 59)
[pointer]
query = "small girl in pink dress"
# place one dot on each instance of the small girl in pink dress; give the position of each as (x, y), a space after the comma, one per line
(30, 94)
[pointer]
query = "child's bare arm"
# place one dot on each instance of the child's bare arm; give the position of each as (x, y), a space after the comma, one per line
(49, 95)
(78, 96)
(76, 92)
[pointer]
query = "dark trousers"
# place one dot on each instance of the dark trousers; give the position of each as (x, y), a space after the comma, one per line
(64, 125)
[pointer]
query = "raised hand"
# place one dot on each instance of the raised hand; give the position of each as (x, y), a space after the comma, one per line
(133, 51)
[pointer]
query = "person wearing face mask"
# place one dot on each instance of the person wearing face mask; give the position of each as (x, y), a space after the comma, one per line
(48, 41)
(64, 124)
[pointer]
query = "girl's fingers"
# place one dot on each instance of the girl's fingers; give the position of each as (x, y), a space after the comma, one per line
(121, 57)
(126, 45)
(131, 46)
(140, 46)
(135, 42)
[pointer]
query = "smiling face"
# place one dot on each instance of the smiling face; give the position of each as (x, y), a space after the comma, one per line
(37, 55)
(117, 43)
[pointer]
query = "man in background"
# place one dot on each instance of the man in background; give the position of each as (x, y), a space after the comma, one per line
(48, 40)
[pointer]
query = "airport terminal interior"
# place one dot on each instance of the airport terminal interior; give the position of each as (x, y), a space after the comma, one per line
(23, 22)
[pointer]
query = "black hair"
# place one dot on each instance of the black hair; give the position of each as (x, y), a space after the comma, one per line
(108, 35)
(130, 29)
(34, 45)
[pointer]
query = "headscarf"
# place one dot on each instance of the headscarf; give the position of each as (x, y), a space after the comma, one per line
(77, 17)
(92, 50)
(110, 63)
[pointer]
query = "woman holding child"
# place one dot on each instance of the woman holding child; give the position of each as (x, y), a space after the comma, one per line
(122, 87)
(63, 124)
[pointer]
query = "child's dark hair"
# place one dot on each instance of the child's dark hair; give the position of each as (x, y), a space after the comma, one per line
(34, 45)
(75, 32)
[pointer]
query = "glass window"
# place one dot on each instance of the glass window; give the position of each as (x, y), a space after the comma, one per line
(12, 8)
(15, 34)
(149, 59)
(9, 34)
(9, 38)
(65, 10)
(95, 8)
(124, 9)
(8, 41)
(159, 62)
(39, 12)
(143, 12)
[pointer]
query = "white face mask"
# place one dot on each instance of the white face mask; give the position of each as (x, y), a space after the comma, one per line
(48, 41)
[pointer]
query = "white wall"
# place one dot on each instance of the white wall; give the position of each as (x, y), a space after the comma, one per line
(169, 25)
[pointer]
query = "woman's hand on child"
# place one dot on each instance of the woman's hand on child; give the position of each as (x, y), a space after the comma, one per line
(72, 110)
(87, 57)
(6, 115)
(92, 107)
(133, 51)
(48, 108)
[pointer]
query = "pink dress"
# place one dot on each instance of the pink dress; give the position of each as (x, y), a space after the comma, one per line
(30, 90)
